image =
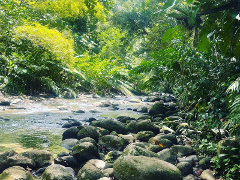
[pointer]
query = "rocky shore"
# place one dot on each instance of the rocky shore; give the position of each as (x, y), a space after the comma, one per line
(157, 146)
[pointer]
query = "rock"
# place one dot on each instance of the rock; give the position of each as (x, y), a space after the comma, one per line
(70, 133)
(187, 159)
(167, 130)
(89, 172)
(63, 153)
(108, 172)
(168, 155)
(207, 175)
(185, 168)
(158, 108)
(12, 158)
(41, 158)
(142, 109)
(183, 150)
(190, 177)
(112, 125)
(144, 117)
(87, 139)
(112, 156)
(170, 137)
(133, 150)
(144, 135)
(230, 143)
(146, 125)
(97, 163)
(127, 138)
(112, 142)
(56, 172)
(205, 163)
(95, 123)
(132, 126)
(164, 142)
(102, 131)
(124, 119)
(79, 111)
(71, 123)
(69, 95)
(68, 143)
(70, 161)
(5, 103)
(16, 173)
(85, 151)
(87, 131)
(141, 144)
(143, 168)
(155, 148)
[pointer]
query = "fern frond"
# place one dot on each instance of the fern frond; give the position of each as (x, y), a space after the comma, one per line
(234, 86)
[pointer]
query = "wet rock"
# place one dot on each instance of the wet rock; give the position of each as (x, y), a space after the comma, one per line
(70, 133)
(183, 150)
(16, 173)
(12, 158)
(41, 158)
(158, 108)
(188, 159)
(112, 125)
(79, 111)
(142, 109)
(89, 172)
(205, 163)
(185, 168)
(111, 142)
(133, 150)
(142, 168)
(144, 135)
(4, 103)
(85, 151)
(69, 95)
(70, 161)
(71, 123)
(146, 125)
(207, 175)
(88, 131)
(63, 153)
(168, 155)
(56, 171)
(68, 143)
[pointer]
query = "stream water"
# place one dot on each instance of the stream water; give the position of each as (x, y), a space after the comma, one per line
(36, 123)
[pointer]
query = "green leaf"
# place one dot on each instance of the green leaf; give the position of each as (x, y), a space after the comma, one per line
(222, 155)
(189, 1)
(168, 4)
(203, 43)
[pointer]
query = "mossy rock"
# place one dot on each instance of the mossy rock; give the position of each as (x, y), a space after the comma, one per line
(144, 135)
(16, 173)
(112, 125)
(88, 131)
(89, 172)
(158, 108)
(133, 150)
(70, 133)
(144, 168)
(112, 142)
(56, 171)
(146, 125)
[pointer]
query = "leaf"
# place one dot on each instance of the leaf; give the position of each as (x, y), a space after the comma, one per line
(168, 4)
(222, 155)
(189, 1)
(203, 43)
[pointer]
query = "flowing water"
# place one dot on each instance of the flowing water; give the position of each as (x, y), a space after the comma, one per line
(37, 123)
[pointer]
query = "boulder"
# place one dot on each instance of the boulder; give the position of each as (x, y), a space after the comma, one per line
(68, 143)
(183, 150)
(185, 168)
(144, 117)
(69, 161)
(56, 172)
(124, 119)
(111, 142)
(205, 163)
(84, 151)
(69, 94)
(146, 125)
(158, 108)
(142, 109)
(112, 156)
(16, 173)
(144, 168)
(131, 127)
(41, 158)
(144, 135)
(164, 142)
(207, 175)
(87, 139)
(102, 131)
(12, 158)
(133, 150)
(70, 133)
(170, 137)
(127, 138)
(112, 125)
(88, 131)
(168, 155)
(89, 172)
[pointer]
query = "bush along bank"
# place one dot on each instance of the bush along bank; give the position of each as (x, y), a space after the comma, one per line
(158, 145)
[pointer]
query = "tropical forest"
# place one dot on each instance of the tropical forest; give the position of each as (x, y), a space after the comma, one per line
(173, 65)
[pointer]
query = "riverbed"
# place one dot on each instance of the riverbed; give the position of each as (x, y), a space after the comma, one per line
(36, 122)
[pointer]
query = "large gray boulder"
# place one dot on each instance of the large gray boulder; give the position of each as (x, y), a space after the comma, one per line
(89, 172)
(183, 150)
(112, 125)
(56, 172)
(168, 155)
(146, 125)
(111, 142)
(41, 158)
(68, 143)
(144, 168)
(16, 173)
(84, 151)
(133, 150)
(12, 158)
(158, 108)
(70, 133)
(88, 131)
